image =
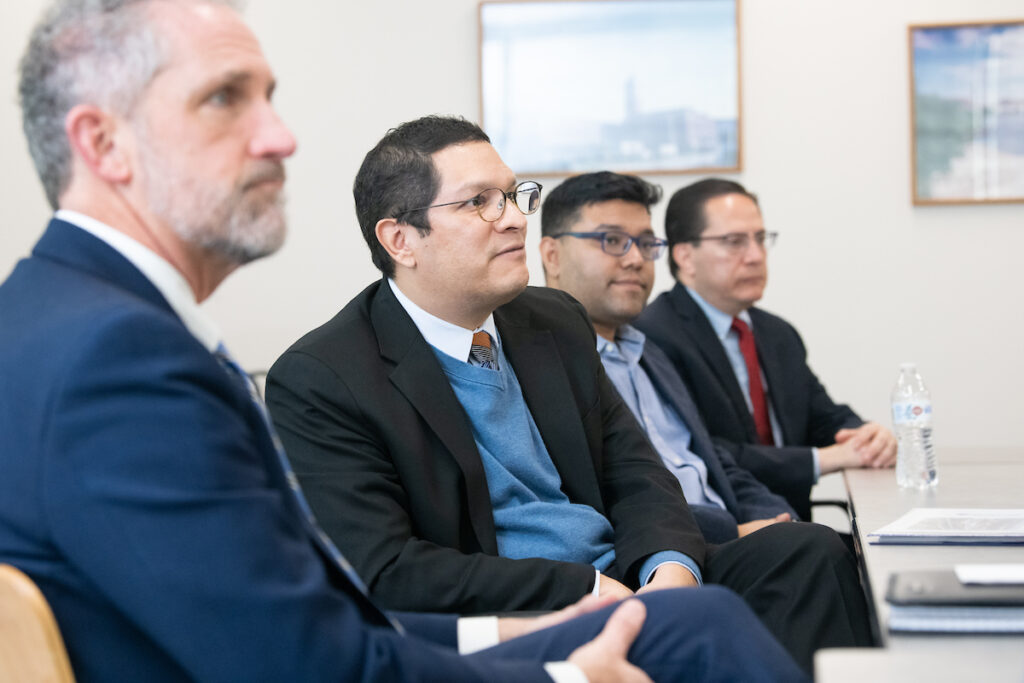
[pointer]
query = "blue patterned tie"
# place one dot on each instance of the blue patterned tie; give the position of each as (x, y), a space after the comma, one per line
(321, 538)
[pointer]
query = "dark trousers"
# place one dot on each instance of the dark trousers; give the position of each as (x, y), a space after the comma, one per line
(694, 635)
(802, 582)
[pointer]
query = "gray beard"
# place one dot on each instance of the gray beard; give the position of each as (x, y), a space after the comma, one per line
(240, 225)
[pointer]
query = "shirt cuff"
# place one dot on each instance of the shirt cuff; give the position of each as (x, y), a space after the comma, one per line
(817, 464)
(565, 672)
(476, 633)
(596, 590)
(652, 563)
(480, 633)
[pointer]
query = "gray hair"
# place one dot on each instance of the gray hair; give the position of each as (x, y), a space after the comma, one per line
(100, 52)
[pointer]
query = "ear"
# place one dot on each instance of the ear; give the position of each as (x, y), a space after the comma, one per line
(549, 258)
(682, 256)
(94, 138)
(394, 237)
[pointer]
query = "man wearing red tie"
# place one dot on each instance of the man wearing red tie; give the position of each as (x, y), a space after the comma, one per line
(748, 368)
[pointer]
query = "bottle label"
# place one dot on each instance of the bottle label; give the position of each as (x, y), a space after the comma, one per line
(911, 412)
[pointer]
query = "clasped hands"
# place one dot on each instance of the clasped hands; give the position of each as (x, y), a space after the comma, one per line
(870, 445)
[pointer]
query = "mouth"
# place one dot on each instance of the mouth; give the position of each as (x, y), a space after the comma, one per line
(629, 284)
(515, 250)
(267, 176)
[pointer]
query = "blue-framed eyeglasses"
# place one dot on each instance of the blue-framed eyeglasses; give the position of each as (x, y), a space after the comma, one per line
(615, 243)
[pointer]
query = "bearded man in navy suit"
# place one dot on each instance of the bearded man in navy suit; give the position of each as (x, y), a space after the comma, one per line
(143, 489)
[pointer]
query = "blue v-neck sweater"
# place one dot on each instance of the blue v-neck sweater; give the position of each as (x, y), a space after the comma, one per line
(532, 516)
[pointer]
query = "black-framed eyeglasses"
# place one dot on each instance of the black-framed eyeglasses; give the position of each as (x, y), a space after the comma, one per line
(737, 242)
(490, 204)
(616, 243)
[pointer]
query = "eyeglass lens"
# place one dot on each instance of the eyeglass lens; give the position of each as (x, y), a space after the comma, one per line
(617, 244)
(740, 241)
(492, 202)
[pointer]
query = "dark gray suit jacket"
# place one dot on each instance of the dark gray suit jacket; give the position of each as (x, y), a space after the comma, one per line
(806, 414)
(746, 499)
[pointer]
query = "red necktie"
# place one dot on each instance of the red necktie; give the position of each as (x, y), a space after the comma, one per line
(757, 400)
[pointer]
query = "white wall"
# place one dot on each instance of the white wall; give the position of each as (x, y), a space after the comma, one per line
(868, 279)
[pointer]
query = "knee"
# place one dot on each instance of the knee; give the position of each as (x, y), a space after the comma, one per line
(708, 605)
(824, 540)
(806, 537)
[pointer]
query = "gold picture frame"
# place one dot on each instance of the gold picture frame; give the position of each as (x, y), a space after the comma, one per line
(967, 112)
(637, 86)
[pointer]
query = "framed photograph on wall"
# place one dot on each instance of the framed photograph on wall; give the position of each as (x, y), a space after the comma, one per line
(967, 112)
(642, 86)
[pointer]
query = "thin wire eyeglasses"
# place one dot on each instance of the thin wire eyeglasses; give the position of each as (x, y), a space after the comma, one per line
(490, 203)
(616, 243)
(737, 242)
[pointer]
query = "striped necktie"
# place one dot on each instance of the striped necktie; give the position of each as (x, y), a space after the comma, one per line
(320, 538)
(482, 352)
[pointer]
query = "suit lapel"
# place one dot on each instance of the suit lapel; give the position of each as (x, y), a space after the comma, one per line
(710, 347)
(418, 376)
(547, 390)
(661, 372)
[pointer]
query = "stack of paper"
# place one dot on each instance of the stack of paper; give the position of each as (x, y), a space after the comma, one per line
(945, 525)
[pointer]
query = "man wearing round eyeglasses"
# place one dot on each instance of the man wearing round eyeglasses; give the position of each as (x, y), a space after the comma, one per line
(453, 430)
(783, 426)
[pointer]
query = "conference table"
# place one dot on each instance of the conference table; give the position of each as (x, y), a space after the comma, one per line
(968, 478)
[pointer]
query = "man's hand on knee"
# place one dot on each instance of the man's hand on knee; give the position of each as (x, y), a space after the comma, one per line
(604, 658)
(752, 526)
(610, 586)
(513, 627)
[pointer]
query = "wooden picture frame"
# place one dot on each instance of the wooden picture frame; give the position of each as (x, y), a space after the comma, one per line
(967, 112)
(637, 86)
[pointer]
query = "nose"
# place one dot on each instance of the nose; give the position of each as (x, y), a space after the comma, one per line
(511, 218)
(632, 258)
(272, 139)
(754, 252)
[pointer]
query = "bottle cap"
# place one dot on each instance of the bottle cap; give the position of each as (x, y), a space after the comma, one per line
(908, 366)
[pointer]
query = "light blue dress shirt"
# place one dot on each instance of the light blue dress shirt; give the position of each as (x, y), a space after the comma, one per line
(721, 323)
(667, 431)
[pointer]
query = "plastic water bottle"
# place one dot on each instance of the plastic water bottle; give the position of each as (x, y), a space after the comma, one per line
(912, 422)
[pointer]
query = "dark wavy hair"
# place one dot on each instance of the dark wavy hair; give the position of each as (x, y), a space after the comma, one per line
(398, 174)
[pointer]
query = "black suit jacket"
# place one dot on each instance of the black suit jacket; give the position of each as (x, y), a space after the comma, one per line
(745, 498)
(386, 455)
(806, 414)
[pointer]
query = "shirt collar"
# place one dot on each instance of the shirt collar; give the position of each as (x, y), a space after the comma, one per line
(165, 277)
(721, 322)
(628, 345)
(451, 339)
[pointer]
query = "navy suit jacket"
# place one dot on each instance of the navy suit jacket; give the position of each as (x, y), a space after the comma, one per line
(807, 415)
(745, 498)
(141, 491)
